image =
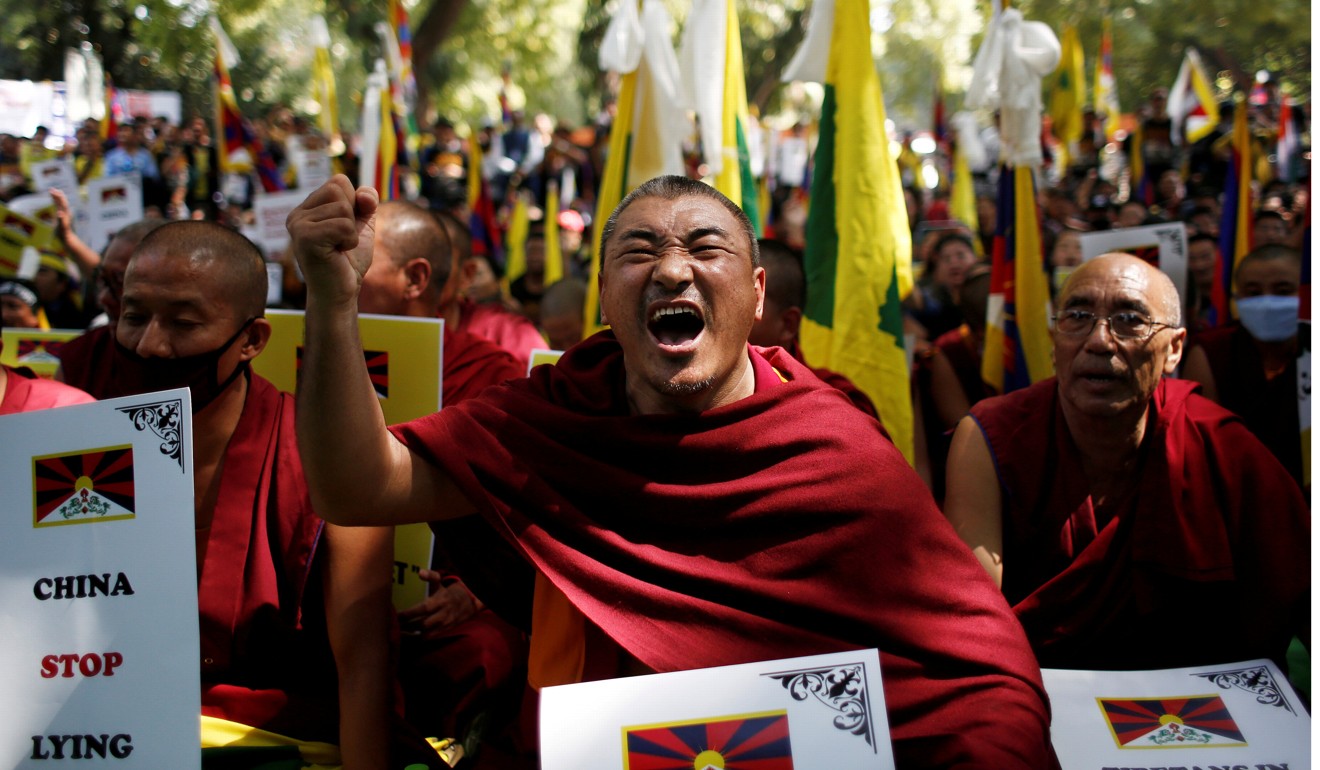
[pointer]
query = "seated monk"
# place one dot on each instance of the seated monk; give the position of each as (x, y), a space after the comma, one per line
(687, 500)
(1250, 368)
(1115, 506)
(458, 659)
(87, 361)
(285, 599)
(785, 294)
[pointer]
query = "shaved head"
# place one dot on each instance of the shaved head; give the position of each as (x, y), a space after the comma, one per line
(1161, 294)
(229, 259)
(407, 232)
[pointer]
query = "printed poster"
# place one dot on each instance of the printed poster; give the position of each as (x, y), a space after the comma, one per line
(539, 356)
(112, 203)
(18, 231)
(271, 210)
(1163, 245)
(1231, 715)
(404, 358)
(55, 174)
(36, 349)
(98, 648)
(822, 712)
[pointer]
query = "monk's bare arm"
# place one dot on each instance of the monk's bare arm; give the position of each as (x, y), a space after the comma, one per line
(357, 472)
(357, 571)
(1196, 367)
(972, 499)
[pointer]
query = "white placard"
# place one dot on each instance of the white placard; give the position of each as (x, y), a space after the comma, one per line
(57, 174)
(274, 283)
(1233, 715)
(113, 203)
(99, 591)
(538, 356)
(1164, 245)
(313, 169)
(823, 712)
(271, 211)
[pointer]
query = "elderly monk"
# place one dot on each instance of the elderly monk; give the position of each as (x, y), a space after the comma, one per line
(284, 598)
(687, 500)
(1117, 508)
(781, 318)
(459, 659)
(88, 361)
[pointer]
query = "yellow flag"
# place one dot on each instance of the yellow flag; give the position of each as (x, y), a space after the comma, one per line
(1068, 92)
(515, 247)
(554, 255)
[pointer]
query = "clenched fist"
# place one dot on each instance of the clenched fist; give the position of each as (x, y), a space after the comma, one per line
(331, 235)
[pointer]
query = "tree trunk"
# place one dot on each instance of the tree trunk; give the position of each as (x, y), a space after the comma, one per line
(428, 34)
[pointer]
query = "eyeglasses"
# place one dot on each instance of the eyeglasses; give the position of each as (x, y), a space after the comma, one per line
(1125, 325)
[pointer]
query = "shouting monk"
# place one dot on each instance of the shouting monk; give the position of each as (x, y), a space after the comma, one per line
(1114, 506)
(687, 501)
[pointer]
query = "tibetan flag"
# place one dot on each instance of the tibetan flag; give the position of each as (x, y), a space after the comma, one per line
(716, 83)
(481, 207)
(1235, 220)
(93, 485)
(858, 258)
(1139, 187)
(1289, 143)
(730, 743)
(403, 83)
(646, 138)
(239, 149)
(323, 80)
(554, 254)
(1017, 334)
(962, 197)
(380, 163)
(1186, 722)
(1106, 88)
(1192, 105)
(1067, 93)
(515, 244)
(114, 112)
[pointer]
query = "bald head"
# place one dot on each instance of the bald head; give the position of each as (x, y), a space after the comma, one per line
(231, 262)
(1156, 288)
(406, 232)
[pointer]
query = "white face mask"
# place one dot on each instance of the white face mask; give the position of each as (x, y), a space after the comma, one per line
(1269, 318)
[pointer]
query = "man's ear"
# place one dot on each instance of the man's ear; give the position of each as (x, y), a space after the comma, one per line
(418, 274)
(255, 339)
(792, 320)
(1176, 347)
(758, 277)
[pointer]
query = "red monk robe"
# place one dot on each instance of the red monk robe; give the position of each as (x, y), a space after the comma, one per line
(26, 392)
(451, 676)
(87, 362)
(839, 383)
(1206, 562)
(497, 324)
(784, 526)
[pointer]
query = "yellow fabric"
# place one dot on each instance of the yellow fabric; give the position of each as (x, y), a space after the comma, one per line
(323, 87)
(1106, 91)
(1068, 92)
(729, 179)
(1205, 94)
(515, 244)
(554, 253)
(558, 653)
(474, 170)
(962, 202)
(1242, 143)
(220, 733)
(1032, 290)
(874, 259)
(612, 190)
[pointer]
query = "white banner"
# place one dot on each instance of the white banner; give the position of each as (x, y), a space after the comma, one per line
(112, 203)
(98, 648)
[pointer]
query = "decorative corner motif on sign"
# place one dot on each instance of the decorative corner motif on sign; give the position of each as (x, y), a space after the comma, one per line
(841, 688)
(1257, 681)
(163, 418)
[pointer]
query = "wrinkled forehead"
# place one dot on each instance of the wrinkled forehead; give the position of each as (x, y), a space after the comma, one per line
(1112, 285)
(684, 218)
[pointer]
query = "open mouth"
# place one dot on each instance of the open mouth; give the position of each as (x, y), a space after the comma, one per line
(676, 328)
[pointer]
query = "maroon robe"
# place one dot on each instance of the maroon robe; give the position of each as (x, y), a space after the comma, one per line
(26, 392)
(781, 525)
(471, 364)
(839, 383)
(266, 658)
(1206, 562)
(87, 362)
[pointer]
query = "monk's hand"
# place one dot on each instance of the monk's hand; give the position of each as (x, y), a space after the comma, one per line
(63, 214)
(446, 607)
(331, 235)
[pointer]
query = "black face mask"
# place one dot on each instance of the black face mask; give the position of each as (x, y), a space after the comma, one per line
(199, 373)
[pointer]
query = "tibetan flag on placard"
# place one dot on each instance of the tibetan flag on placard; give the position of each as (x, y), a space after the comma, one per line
(554, 254)
(79, 487)
(1185, 722)
(238, 147)
(715, 79)
(378, 369)
(755, 742)
(1106, 88)
(858, 258)
(1234, 220)
(323, 80)
(1068, 92)
(1017, 334)
(646, 138)
(1192, 105)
